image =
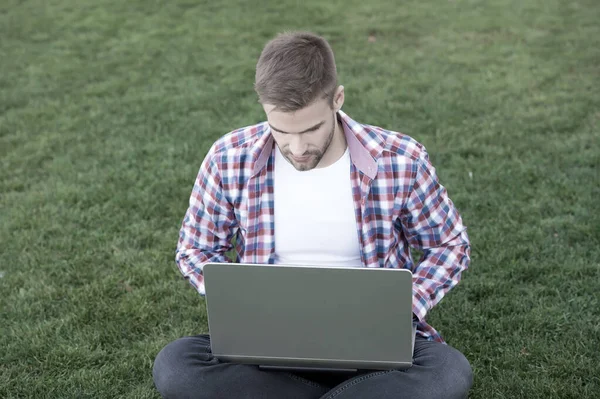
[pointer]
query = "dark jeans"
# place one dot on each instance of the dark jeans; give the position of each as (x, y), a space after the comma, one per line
(186, 368)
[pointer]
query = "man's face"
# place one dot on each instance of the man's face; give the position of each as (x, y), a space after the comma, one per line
(303, 136)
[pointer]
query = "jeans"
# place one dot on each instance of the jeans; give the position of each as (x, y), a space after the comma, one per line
(186, 368)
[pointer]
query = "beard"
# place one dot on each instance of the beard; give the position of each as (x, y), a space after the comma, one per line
(315, 155)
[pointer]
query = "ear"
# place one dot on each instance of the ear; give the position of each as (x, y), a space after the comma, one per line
(338, 98)
(268, 108)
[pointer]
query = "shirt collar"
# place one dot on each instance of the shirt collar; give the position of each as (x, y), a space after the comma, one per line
(365, 146)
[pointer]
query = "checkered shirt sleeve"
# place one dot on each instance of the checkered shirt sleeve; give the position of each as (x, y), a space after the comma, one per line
(207, 227)
(432, 224)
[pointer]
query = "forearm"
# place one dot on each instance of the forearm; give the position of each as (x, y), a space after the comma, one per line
(205, 236)
(190, 262)
(438, 272)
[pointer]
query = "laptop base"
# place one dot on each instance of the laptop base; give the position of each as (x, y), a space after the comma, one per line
(306, 369)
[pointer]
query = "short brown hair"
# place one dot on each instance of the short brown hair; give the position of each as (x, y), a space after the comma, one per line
(295, 69)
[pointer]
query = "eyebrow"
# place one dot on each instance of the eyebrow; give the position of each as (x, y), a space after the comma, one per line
(310, 129)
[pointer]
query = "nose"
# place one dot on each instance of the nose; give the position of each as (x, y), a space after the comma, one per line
(297, 145)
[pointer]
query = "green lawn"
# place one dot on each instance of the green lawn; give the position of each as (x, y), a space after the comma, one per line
(106, 111)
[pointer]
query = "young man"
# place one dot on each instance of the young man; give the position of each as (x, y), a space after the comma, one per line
(312, 186)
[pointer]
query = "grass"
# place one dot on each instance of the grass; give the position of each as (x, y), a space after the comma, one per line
(108, 107)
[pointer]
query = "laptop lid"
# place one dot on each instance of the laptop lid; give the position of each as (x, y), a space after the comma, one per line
(310, 317)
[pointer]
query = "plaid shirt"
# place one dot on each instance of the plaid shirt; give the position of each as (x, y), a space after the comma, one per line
(398, 203)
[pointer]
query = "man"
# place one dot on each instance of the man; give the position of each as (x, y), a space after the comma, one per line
(312, 186)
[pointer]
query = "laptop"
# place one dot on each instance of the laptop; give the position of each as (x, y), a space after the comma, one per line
(310, 318)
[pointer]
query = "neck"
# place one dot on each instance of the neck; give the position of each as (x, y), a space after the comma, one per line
(336, 148)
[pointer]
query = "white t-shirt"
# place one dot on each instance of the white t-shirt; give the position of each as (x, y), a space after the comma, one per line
(315, 222)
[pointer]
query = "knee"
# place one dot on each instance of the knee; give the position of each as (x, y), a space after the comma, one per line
(458, 374)
(171, 370)
(166, 369)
